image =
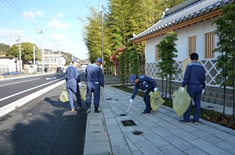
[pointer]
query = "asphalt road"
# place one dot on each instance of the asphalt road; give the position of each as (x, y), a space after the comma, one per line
(16, 88)
(43, 126)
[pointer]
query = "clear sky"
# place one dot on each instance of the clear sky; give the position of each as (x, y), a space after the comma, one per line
(60, 21)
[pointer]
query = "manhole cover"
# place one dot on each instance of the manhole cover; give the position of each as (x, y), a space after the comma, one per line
(108, 98)
(137, 132)
(210, 106)
(128, 123)
(122, 114)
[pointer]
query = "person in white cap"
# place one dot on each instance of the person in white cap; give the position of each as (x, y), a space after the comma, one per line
(72, 85)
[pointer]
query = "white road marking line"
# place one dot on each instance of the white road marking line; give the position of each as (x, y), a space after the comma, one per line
(27, 90)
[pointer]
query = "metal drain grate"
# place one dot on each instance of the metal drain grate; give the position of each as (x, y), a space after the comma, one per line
(108, 98)
(123, 114)
(128, 123)
(138, 132)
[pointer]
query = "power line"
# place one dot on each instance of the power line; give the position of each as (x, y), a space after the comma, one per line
(17, 9)
(12, 8)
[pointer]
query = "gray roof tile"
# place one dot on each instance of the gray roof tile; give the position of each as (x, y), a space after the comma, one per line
(183, 12)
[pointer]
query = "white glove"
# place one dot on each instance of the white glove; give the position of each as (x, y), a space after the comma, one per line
(203, 91)
(182, 88)
(155, 89)
(131, 100)
(79, 84)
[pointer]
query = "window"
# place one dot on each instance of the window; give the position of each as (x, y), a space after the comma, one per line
(157, 54)
(192, 45)
(209, 45)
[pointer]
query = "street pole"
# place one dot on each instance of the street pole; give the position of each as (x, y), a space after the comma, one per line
(20, 63)
(33, 56)
(42, 50)
(102, 34)
(20, 56)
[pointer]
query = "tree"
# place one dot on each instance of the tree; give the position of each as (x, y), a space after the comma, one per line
(128, 17)
(4, 48)
(226, 47)
(167, 53)
(92, 35)
(26, 52)
(122, 20)
(122, 24)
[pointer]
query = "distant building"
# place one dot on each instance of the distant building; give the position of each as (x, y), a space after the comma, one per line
(83, 64)
(53, 59)
(8, 65)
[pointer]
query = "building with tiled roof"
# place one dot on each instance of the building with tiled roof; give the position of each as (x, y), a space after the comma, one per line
(192, 21)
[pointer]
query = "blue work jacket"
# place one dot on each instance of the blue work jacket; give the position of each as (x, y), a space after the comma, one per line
(94, 74)
(72, 78)
(194, 75)
(145, 83)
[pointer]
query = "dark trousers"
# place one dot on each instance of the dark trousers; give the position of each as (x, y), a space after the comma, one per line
(195, 92)
(147, 101)
(95, 89)
(71, 93)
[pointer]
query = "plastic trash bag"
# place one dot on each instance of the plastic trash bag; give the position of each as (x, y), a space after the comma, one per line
(64, 96)
(83, 91)
(181, 101)
(155, 100)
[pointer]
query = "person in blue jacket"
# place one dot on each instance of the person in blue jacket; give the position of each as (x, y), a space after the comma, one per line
(72, 85)
(143, 83)
(194, 78)
(95, 80)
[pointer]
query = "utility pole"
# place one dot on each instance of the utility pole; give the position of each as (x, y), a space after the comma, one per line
(102, 30)
(102, 34)
(59, 59)
(42, 50)
(34, 59)
(33, 55)
(20, 61)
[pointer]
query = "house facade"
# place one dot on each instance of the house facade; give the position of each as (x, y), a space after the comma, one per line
(8, 65)
(192, 21)
(52, 60)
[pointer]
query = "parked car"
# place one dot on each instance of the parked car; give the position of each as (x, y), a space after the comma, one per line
(59, 70)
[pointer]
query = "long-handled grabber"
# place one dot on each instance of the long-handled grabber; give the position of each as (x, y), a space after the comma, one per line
(129, 106)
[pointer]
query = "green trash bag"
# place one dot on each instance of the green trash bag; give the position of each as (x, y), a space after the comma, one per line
(83, 91)
(155, 100)
(64, 96)
(181, 101)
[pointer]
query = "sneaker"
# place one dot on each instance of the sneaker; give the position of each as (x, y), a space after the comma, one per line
(88, 110)
(183, 121)
(73, 110)
(145, 112)
(194, 122)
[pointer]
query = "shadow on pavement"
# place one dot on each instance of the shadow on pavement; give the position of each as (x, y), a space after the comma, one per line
(43, 128)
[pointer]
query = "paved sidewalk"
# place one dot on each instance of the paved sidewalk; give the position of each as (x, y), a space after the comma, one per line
(153, 134)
